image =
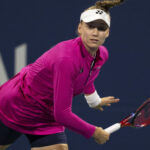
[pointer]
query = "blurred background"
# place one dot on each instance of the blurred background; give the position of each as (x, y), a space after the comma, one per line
(28, 28)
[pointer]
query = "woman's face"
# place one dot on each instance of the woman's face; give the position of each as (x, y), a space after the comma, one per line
(93, 34)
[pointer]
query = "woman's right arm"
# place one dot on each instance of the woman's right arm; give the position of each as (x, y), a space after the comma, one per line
(64, 75)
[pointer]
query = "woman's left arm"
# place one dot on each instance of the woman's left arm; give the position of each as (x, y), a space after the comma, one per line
(96, 102)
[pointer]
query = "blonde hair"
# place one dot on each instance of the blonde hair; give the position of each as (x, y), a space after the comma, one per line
(106, 4)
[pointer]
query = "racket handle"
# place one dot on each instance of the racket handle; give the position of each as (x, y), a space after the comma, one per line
(113, 128)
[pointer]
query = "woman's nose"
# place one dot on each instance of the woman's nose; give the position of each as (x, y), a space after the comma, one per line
(95, 31)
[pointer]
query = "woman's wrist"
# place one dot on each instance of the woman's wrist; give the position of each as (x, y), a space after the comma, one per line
(93, 99)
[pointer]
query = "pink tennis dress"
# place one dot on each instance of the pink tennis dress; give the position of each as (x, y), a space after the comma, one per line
(38, 100)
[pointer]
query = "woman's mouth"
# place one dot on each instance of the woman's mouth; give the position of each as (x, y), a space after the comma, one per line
(94, 40)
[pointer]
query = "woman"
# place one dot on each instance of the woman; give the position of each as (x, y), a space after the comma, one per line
(37, 101)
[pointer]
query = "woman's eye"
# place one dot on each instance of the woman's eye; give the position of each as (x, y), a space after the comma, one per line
(91, 26)
(102, 28)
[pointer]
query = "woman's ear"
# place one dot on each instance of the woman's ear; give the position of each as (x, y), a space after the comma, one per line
(107, 33)
(79, 28)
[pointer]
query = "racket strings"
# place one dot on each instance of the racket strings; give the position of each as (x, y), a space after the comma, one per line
(142, 118)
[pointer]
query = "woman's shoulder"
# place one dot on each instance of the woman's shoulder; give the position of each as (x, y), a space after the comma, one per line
(65, 50)
(69, 43)
(68, 48)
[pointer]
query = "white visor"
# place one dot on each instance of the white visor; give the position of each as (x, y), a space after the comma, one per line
(95, 14)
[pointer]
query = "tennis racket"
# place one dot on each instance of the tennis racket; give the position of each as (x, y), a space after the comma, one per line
(140, 118)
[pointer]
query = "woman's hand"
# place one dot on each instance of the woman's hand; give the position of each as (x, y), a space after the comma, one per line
(100, 135)
(107, 101)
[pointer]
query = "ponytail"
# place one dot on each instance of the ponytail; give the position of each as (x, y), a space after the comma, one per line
(107, 4)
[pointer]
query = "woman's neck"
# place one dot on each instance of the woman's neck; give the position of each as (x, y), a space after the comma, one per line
(92, 51)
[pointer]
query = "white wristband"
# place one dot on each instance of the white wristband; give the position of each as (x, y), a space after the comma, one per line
(93, 99)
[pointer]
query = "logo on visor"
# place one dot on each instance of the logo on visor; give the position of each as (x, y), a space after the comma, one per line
(99, 12)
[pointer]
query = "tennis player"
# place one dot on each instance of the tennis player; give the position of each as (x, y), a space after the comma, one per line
(37, 101)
